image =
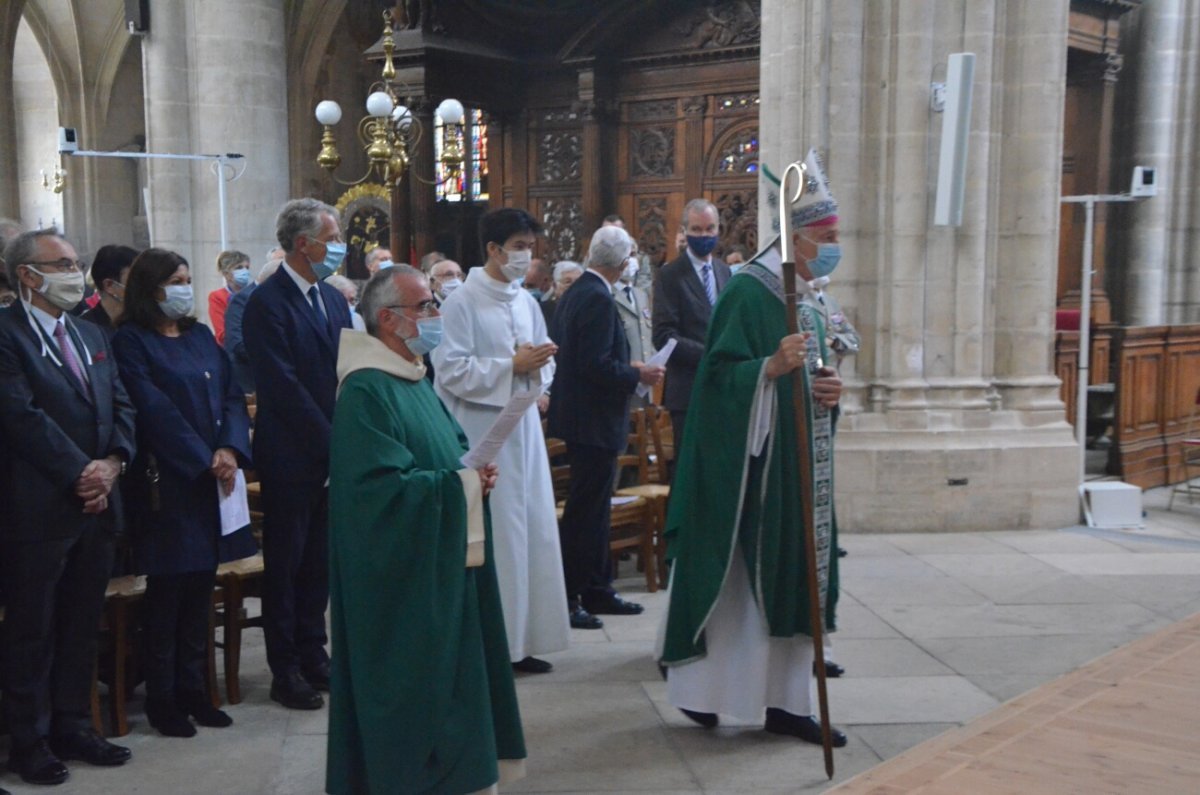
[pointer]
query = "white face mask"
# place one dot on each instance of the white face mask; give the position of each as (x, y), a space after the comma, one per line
(631, 269)
(449, 286)
(64, 290)
(517, 264)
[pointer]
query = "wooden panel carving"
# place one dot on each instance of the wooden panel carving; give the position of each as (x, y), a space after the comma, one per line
(739, 218)
(652, 226)
(721, 24)
(652, 152)
(563, 222)
(1157, 373)
(560, 155)
(653, 110)
(1066, 367)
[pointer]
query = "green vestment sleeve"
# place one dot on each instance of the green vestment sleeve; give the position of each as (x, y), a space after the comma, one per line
(422, 696)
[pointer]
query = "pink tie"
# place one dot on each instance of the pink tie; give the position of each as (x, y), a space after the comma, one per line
(64, 345)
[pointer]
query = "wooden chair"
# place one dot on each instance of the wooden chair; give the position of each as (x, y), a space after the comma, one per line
(235, 581)
(1190, 455)
(632, 522)
(117, 650)
(654, 483)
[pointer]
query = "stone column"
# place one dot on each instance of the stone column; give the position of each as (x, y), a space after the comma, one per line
(10, 196)
(1153, 123)
(215, 82)
(952, 420)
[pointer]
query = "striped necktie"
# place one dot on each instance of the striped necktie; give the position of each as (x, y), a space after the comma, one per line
(709, 287)
(68, 354)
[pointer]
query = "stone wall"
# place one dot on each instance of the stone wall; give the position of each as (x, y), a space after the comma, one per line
(954, 383)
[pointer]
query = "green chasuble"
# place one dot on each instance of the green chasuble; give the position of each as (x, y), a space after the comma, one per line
(734, 505)
(422, 697)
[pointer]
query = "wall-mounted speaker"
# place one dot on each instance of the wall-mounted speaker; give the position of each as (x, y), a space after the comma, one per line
(137, 17)
(956, 127)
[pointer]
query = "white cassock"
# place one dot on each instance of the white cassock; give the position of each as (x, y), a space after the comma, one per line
(483, 323)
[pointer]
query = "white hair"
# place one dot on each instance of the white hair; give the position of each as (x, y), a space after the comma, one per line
(564, 267)
(267, 270)
(610, 248)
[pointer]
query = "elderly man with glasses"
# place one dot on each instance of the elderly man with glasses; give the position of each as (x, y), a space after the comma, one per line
(66, 425)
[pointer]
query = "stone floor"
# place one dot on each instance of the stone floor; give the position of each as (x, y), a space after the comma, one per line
(936, 630)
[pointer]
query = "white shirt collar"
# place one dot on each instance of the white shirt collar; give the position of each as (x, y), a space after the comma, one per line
(697, 263)
(46, 320)
(302, 284)
(596, 273)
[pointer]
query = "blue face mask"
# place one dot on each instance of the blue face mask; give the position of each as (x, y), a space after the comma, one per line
(334, 254)
(178, 302)
(429, 335)
(735, 268)
(702, 245)
(536, 293)
(241, 277)
(828, 257)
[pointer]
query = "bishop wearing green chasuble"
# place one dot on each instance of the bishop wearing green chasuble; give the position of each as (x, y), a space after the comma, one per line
(421, 693)
(737, 636)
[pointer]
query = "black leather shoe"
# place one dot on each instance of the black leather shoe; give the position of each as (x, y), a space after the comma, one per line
(832, 669)
(612, 605)
(294, 693)
(532, 665)
(168, 719)
(37, 764)
(806, 728)
(87, 746)
(582, 619)
(202, 711)
(842, 552)
(317, 678)
(708, 720)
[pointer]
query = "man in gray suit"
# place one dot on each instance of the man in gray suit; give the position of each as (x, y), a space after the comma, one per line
(634, 309)
(684, 294)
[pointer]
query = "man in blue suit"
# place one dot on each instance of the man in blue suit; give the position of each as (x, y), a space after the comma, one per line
(589, 410)
(292, 325)
(66, 429)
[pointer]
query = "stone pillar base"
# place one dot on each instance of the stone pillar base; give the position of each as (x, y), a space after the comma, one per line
(893, 479)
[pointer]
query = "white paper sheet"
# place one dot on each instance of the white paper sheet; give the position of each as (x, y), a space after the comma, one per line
(622, 501)
(235, 509)
(484, 451)
(660, 358)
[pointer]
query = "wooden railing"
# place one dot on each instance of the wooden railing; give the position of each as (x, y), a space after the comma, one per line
(1156, 372)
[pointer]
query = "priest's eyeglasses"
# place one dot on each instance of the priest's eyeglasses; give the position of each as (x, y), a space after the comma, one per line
(424, 309)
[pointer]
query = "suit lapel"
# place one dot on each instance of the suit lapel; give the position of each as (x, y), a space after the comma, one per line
(304, 307)
(56, 361)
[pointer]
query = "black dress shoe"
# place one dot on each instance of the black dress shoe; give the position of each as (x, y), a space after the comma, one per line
(612, 605)
(200, 707)
(582, 619)
(293, 692)
(842, 552)
(532, 665)
(169, 719)
(832, 669)
(805, 727)
(87, 746)
(318, 677)
(708, 720)
(37, 764)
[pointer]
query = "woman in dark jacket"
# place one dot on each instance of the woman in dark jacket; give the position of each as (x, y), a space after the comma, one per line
(193, 433)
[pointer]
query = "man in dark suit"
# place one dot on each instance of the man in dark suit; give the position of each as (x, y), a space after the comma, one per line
(684, 294)
(292, 325)
(589, 410)
(66, 425)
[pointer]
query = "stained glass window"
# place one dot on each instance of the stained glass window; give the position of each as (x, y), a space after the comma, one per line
(473, 142)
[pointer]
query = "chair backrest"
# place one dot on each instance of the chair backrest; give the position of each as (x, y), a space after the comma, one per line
(637, 455)
(560, 471)
(658, 425)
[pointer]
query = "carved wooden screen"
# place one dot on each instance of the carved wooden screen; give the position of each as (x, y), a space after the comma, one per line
(555, 172)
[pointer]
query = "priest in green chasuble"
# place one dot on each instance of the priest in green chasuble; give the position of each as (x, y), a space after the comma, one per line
(421, 694)
(737, 636)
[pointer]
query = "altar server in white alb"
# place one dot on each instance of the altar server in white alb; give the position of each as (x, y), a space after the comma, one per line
(494, 346)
